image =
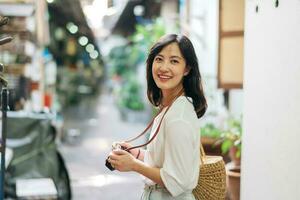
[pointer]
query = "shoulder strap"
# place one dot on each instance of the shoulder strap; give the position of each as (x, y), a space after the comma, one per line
(146, 129)
(151, 123)
(154, 135)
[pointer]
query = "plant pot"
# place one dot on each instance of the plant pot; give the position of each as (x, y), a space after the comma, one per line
(210, 146)
(233, 181)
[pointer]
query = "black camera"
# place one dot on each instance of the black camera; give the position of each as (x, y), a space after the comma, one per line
(115, 146)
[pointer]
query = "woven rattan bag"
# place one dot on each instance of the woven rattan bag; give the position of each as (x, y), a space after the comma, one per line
(212, 178)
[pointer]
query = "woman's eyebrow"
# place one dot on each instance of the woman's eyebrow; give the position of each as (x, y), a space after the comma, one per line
(178, 57)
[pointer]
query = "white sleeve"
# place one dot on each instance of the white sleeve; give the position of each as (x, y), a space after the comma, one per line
(177, 170)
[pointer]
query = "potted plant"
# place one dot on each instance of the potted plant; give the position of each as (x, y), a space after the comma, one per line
(231, 143)
(230, 140)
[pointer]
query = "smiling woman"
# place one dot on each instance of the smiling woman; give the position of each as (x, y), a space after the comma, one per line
(191, 79)
(171, 161)
(168, 70)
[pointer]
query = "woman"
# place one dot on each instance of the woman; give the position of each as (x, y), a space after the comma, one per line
(171, 161)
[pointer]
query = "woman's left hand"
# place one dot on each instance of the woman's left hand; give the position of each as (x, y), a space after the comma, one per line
(122, 160)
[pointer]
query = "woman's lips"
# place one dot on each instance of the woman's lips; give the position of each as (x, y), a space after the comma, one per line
(164, 78)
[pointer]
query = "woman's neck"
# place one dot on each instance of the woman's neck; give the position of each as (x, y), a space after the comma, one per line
(169, 96)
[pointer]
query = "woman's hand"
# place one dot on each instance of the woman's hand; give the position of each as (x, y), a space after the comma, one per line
(122, 160)
(134, 152)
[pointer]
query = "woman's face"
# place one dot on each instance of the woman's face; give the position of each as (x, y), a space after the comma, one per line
(168, 69)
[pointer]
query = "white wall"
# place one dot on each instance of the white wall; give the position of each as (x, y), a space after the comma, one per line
(169, 14)
(204, 34)
(236, 102)
(271, 140)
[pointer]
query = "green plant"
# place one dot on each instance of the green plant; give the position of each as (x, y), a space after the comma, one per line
(231, 137)
(118, 60)
(210, 130)
(146, 35)
(127, 57)
(130, 95)
(124, 60)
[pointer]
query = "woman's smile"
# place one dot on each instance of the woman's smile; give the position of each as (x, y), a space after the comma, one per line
(164, 78)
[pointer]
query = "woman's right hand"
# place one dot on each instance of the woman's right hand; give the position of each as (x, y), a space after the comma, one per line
(133, 152)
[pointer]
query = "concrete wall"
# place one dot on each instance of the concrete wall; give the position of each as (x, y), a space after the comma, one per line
(271, 140)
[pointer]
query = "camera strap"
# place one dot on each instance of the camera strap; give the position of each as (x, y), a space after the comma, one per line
(151, 123)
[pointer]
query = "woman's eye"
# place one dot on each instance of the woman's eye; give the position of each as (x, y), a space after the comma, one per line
(158, 59)
(174, 61)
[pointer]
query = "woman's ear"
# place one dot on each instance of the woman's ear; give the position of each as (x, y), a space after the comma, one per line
(187, 70)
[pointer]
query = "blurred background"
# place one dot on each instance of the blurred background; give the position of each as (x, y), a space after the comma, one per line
(76, 79)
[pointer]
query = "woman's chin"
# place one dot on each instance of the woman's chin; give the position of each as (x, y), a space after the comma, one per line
(163, 86)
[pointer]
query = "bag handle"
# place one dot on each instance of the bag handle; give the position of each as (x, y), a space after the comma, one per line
(202, 153)
(151, 123)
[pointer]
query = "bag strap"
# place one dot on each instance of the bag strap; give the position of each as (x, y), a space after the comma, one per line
(202, 153)
(151, 123)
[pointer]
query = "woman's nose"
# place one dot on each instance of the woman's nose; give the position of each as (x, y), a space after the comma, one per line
(164, 66)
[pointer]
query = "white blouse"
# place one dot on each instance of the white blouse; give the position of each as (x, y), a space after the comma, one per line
(176, 150)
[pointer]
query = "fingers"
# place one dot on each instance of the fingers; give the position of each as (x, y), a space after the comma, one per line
(119, 159)
(119, 152)
(112, 162)
(113, 156)
(125, 144)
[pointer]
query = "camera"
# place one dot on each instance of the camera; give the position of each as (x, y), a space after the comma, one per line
(115, 146)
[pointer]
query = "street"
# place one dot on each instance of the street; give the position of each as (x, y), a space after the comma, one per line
(91, 128)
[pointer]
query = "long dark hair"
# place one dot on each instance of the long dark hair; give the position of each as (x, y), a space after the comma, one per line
(191, 83)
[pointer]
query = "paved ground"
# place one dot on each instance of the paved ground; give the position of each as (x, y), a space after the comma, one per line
(99, 124)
